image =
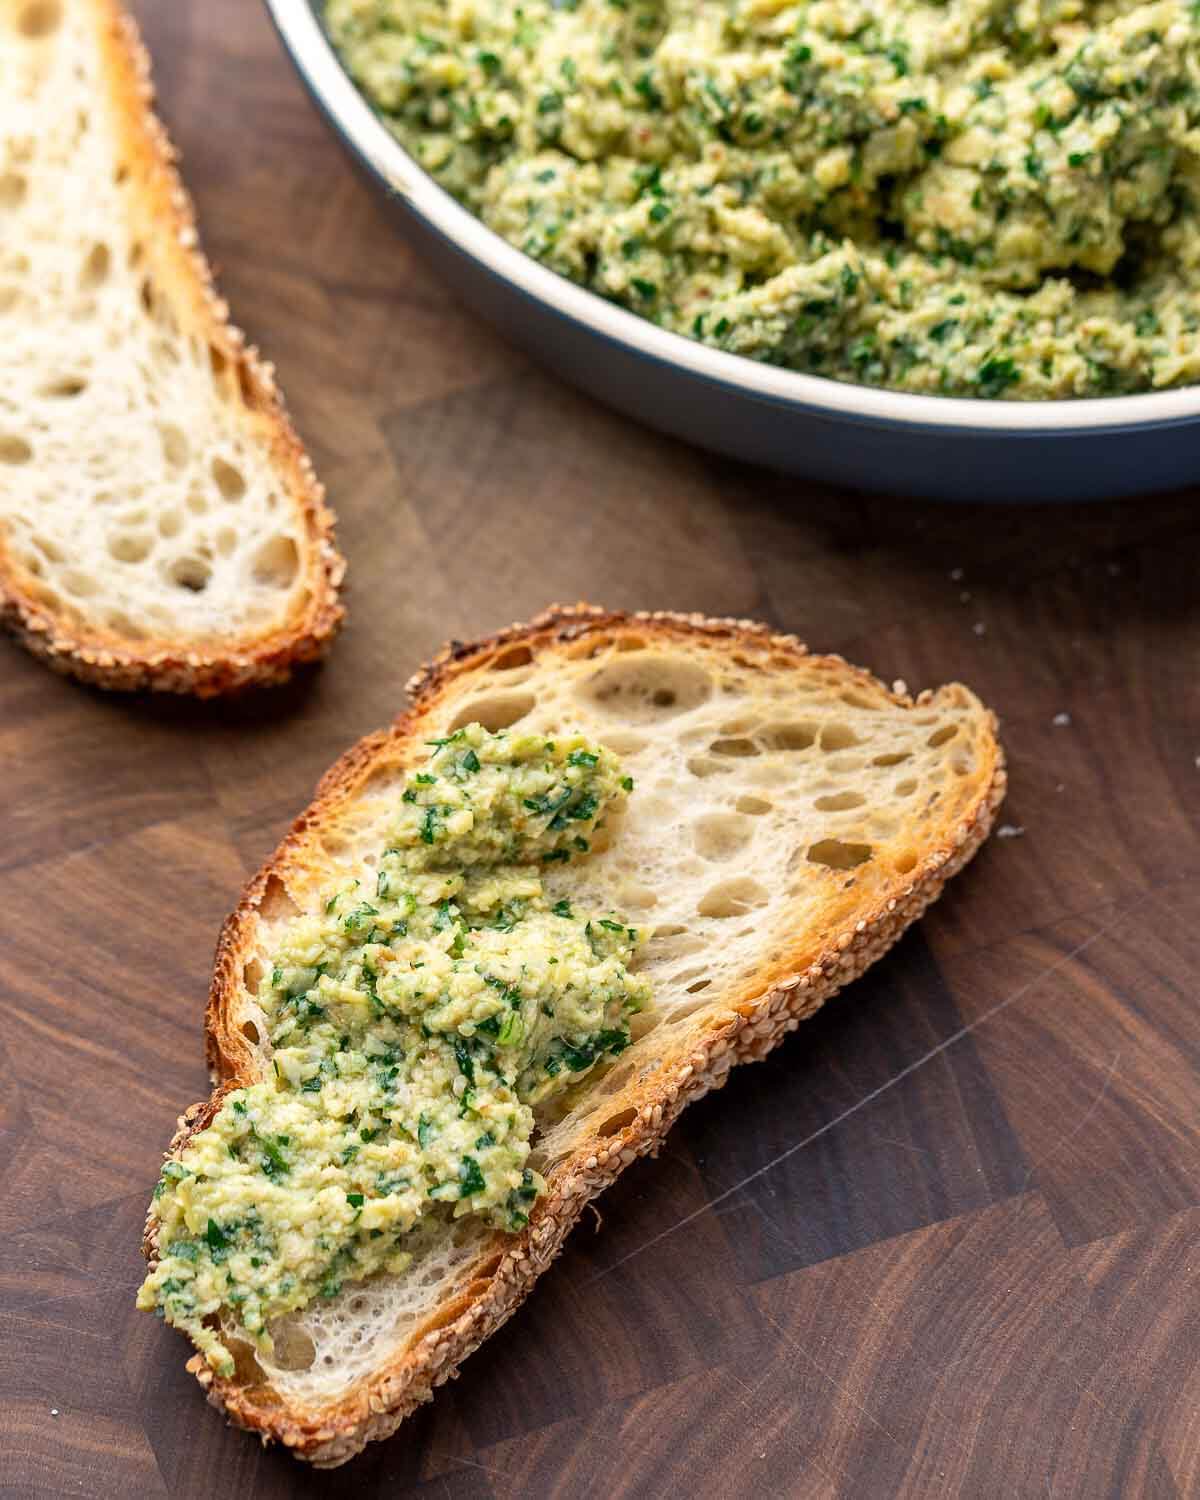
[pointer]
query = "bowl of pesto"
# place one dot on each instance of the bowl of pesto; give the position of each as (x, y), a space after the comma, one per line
(949, 249)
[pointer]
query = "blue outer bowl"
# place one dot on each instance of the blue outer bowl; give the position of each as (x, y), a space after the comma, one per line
(933, 446)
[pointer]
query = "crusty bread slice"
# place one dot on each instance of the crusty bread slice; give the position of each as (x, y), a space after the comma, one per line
(160, 524)
(791, 818)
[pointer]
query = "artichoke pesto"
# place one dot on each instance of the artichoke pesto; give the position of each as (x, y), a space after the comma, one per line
(414, 1019)
(991, 198)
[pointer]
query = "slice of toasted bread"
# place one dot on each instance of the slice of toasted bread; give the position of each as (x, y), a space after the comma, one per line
(791, 818)
(160, 524)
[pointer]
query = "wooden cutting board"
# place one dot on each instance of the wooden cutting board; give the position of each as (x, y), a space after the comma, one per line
(944, 1243)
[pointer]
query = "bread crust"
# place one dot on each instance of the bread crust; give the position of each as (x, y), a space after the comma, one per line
(165, 664)
(772, 1004)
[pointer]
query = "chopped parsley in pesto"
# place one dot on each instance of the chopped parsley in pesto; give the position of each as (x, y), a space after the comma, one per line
(415, 1019)
(973, 197)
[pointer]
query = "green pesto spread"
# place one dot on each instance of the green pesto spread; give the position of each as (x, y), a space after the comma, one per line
(415, 1020)
(972, 197)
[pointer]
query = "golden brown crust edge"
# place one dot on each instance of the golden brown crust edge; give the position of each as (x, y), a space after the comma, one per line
(508, 1268)
(162, 664)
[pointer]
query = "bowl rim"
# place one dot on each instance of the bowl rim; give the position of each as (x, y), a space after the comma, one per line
(348, 110)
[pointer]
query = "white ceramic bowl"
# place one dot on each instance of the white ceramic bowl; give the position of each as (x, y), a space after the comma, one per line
(936, 446)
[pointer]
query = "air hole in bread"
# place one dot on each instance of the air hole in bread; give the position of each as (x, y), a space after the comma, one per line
(905, 788)
(838, 737)
(631, 643)
(646, 688)
(174, 445)
(755, 806)
(39, 18)
(637, 897)
(14, 450)
(836, 855)
(700, 984)
(892, 758)
(942, 736)
(96, 267)
(734, 747)
(960, 765)
(499, 711)
(743, 724)
(904, 863)
(146, 295)
(65, 388)
(733, 898)
(616, 1123)
(719, 836)
(251, 395)
(703, 766)
(615, 1079)
(170, 523)
(294, 1349)
(601, 840)
(790, 736)
(82, 585)
(275, 904)
(252, 973)
(13, 188)
(49, 550)
(218, 361)
(229, 480)
(839, 802)
(448, 1312)
(191, 573)
(624, 742)
(250, 1032)
(120, 624)
(9, 297)
(507, 661)
(381, 778)
(859, 700)
(277, 562)
(226, 541)
(591, 646)
(247, 1371)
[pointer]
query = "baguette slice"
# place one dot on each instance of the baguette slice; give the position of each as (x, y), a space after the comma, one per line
(160, 524)
(791, 817)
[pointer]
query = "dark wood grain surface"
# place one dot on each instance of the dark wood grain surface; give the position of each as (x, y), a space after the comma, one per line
(946, 1242)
